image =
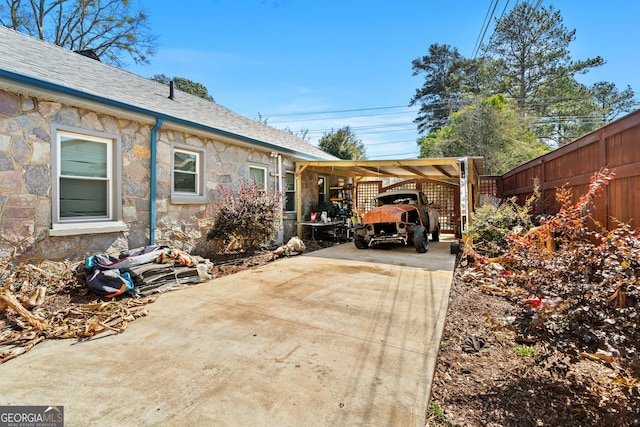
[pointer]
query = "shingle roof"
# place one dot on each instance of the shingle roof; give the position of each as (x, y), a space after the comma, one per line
(27, 60)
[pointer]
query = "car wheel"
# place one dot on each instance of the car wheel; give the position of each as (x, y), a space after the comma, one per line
(435, 236)
(421, 239)
(359, 242)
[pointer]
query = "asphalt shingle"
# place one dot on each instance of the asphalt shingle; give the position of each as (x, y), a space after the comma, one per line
(32, 61)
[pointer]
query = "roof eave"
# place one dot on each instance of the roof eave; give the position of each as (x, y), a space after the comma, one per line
(33, 86)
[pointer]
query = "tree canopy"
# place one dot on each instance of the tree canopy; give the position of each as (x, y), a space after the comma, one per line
(441, 85)
(531, 45)
(343, 144)
(113, 29)
(518, 99)
(185, 85)
(488, 127)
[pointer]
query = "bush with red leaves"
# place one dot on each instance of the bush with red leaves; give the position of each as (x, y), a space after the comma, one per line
(579, 290)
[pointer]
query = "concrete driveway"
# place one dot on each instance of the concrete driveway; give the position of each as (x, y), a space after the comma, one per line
(335, 337)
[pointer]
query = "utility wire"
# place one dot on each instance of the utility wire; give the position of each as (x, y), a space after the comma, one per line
(504, 9)
(413, 153)
(389, 142)
(342, 117)
(486, 24)
(327, 112)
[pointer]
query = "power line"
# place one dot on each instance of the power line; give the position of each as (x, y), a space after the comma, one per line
(342, 117)
(310, 113)
(413, 153)
(404, 127)
(389, 142)
(504, 9)
(483, 31)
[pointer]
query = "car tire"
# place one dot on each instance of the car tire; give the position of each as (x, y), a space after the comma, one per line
(435, 236)
(421, 239)
(359, 242)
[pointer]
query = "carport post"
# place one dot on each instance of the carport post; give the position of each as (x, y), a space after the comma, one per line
(299, 170)
(463, 163)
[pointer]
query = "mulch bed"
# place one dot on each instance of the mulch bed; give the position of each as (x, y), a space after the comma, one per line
(480, 380)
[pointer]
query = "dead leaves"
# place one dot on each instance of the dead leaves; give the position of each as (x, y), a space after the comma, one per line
(31, 312)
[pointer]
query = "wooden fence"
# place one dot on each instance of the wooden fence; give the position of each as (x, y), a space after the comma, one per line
(615, 146)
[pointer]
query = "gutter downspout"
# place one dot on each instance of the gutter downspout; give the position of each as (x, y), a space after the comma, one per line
(280, 238)
(152, 183)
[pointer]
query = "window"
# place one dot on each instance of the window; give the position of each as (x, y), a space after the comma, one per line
(185, 172)
(187, 178)
(290, 191)
(258, 175)
(86, 171)
(322, 189)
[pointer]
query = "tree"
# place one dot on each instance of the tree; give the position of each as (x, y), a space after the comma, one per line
(302, 133)
(487, 127)
(528, 60)
(610, 102)
(343, 144)
(441, 85)
(567, 112)
(531, 45)
(186, 85)
(110, 28)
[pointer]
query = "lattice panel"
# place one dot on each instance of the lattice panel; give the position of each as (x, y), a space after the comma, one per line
(365, 191)
(407, 185)
(489, 186)
(444, 200)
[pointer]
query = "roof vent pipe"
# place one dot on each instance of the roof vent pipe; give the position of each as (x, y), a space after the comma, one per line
(171, 89)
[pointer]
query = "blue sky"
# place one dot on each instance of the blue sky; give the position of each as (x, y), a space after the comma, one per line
(324, 64)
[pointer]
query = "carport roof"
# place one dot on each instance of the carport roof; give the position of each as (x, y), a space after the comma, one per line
(434, 168)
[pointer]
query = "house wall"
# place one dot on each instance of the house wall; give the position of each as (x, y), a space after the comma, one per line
(25, 182)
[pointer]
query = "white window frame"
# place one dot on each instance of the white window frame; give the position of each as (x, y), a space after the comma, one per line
(264, 174)
(183, 197)
(292, 192)
(112, 221)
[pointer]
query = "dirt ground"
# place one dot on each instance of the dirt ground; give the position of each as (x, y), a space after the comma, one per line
(481, 380)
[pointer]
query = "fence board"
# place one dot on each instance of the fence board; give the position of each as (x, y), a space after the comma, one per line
(616, 146)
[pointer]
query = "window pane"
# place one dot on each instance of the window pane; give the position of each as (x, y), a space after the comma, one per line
(185, 161)
(290, 202)
(83, 198)
(290, 194)
(83, 158)
(290, 181)
(184, 182)
(257, 175)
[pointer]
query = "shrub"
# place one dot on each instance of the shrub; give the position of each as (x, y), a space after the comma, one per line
(581, 294)
(247, 220)
(492, 224)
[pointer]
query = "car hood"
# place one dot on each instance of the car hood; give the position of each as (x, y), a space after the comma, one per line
(387, 213)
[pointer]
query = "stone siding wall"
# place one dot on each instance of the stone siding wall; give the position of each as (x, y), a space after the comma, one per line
(25, 182)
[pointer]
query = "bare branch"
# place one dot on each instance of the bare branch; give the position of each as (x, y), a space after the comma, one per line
(112, 28)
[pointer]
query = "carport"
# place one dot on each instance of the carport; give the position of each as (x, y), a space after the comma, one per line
(464, 172)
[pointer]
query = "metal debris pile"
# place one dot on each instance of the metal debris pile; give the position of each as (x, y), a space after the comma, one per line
(52, 302)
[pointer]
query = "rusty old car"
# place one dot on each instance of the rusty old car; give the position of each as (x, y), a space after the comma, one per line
(400, 217)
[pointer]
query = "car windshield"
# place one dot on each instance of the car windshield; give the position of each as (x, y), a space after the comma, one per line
(398, 199)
